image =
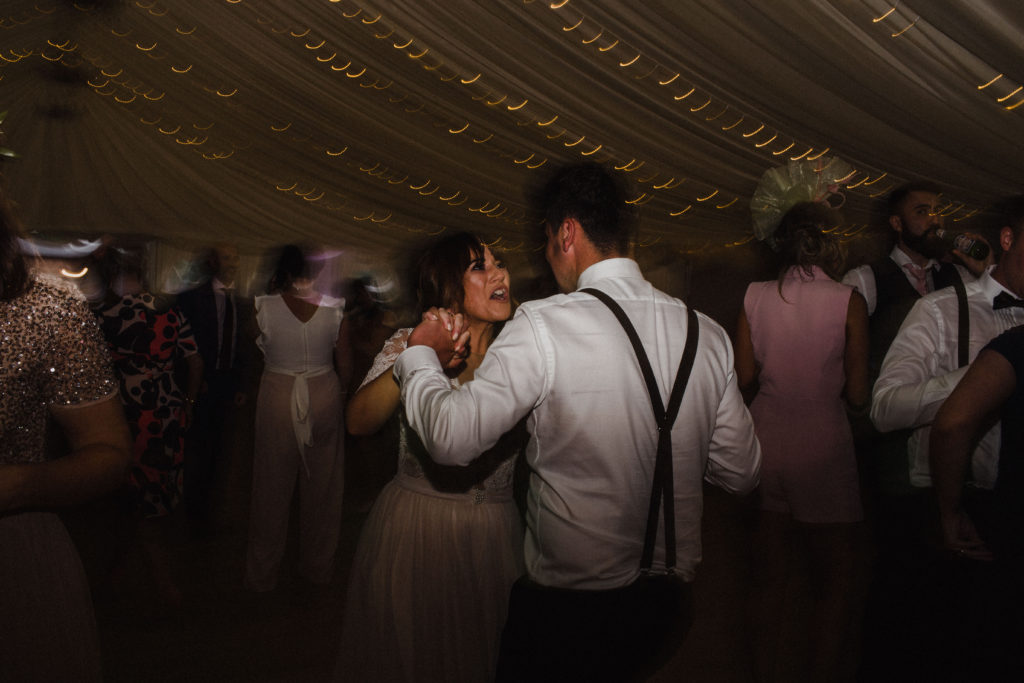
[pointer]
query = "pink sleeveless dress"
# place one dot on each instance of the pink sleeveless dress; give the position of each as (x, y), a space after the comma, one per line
(809, 469)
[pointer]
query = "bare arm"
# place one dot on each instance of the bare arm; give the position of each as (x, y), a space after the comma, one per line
(100, 454)
(372, 405)
(746, 367)
(343, 354)
(855, 358)
(968, 413)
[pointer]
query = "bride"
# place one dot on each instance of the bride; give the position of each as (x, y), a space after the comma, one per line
(442, 545)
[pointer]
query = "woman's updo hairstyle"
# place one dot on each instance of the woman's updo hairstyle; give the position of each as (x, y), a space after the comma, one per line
(292, 263)
(801, 240)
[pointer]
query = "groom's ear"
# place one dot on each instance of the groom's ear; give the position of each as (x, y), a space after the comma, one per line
(568, 233)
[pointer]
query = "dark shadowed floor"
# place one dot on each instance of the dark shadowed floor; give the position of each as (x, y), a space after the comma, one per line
(202, 626)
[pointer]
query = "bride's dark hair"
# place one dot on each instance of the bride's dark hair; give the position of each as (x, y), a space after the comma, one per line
(442, 267)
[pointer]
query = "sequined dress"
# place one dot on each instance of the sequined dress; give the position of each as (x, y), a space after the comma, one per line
(436, 560)
(52, 358)
(145, 341)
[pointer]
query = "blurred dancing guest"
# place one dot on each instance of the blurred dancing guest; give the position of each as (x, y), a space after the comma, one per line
(218, 316)
(919, 263)
(372, 320)
(941, 336)
(371, 315)
(299, 425)
(442, 545)
(53, 364)
(802, 346)
(147, 336)
(989, 528)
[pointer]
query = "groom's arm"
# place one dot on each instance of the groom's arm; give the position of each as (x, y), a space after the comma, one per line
(457, 425)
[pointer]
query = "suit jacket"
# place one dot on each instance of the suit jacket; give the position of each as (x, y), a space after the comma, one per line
(200, 308)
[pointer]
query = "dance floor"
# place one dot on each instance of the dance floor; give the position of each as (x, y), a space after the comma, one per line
(197, 623)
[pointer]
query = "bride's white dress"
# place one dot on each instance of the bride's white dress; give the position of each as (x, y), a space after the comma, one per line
(438, 554)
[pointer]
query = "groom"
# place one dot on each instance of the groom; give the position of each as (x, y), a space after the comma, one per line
(566, 362)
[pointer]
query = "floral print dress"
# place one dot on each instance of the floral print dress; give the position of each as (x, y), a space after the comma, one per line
(146, 339)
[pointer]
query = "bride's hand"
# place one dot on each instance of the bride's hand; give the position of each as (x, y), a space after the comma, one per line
(446, 333)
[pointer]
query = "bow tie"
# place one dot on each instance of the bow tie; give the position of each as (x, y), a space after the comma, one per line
(1004, 300)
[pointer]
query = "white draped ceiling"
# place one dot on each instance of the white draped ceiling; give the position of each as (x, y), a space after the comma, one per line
(373, 124)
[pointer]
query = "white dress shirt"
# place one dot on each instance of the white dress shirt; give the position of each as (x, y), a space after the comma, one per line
(566, 362)
(920, 371)
(862, 278)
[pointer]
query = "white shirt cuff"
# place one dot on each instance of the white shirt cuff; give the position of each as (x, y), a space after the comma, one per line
(414, 359)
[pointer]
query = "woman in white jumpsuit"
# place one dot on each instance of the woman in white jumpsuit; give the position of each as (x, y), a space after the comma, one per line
(299, 432)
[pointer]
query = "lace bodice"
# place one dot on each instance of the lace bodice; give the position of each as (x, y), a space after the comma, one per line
(492, 471)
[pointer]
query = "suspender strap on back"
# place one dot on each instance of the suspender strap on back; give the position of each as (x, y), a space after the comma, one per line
(963, 319)
(662, 487)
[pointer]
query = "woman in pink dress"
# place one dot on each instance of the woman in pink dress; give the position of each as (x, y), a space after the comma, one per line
(802, 353)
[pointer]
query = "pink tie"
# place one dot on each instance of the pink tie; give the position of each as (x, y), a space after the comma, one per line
(920, 274)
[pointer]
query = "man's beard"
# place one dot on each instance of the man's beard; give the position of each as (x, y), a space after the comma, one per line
(928, 245)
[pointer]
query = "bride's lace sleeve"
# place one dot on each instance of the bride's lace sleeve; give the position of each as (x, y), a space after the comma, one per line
(395, 344)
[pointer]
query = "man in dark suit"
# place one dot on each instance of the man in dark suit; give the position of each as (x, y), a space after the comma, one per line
(218, 317)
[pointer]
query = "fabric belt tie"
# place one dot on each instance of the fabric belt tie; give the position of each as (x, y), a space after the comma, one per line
(301, 424)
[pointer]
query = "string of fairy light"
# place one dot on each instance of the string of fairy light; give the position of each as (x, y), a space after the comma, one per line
(902, 27)
(327, 55)
(115, 82)
(515, 106)
(522, 113)
(1004, 88)
(416, 51)
(722, 118)
(758, 133)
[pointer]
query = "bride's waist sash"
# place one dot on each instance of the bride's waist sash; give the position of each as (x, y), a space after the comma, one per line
(474, 495)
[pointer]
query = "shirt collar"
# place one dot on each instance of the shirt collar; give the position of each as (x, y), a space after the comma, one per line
(608, 268)
(901, 258)
(991, 287)
(219, 286)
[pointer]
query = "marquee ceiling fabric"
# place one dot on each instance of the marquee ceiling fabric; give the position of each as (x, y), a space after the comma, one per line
(377, 124)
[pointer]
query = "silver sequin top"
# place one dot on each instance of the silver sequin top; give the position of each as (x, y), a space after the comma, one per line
(51, 354)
